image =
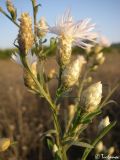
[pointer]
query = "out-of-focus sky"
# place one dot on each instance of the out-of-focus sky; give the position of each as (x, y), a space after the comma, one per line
(105, 13)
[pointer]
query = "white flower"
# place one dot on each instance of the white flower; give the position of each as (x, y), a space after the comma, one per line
(80, 32)
(91, 97)
(71, 73)
(30, 58)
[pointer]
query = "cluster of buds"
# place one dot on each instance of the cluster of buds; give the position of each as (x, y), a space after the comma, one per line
(25, 36)
(91, 97)
(72, 72)
(11, 9)
(64, 50)
(42, 28)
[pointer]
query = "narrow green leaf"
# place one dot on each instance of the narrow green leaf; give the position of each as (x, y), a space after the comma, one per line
(99, 137)
(50, 144)
(82, 144)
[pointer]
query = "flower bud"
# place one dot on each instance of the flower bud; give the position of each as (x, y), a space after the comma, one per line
(55, 148)
(4, 144)
(104, 123)
(91, 97)
(52, 73)
(100, 58)
(71, 73)
(42, 28)
(99, 147)
(28, 80)
(71, 111)
(25, 36)
(111, 150)
(11, 9)
(64, 50)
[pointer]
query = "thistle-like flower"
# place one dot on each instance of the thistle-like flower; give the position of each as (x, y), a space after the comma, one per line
(25, 36)
(4, 144)
(71, 73)
(42, 28)
(70, 32)
(11, 9)
(91, 97)
(104, 123)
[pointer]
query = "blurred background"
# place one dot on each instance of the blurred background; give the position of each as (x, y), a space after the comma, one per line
(24, 116)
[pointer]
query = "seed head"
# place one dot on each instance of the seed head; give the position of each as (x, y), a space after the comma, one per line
(25, 36)
(91, 97)
(11, 9)
(71, 73)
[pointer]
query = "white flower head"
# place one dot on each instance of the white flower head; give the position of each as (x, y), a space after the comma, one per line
(91, 97)
(80, 32)
(72, 71)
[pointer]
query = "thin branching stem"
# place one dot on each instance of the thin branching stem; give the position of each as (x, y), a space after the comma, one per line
(6, 15)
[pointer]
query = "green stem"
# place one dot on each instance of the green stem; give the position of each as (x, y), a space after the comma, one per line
(81, 85)
(5, 14)
(52, 105)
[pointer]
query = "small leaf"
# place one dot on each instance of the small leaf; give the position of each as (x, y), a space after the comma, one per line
(88, 117)
(50, 144)
(83, 144)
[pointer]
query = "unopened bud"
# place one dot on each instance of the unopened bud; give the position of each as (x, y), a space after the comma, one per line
(91, 97)
(71, 111)
(28, 80)
(52, 73)
(25, 36)
(89, 80)
(64, 50)
(11, 9)
(71, 73)
(4, 144)
(100, 58)
(55, 148)
(99, 147)
(104, 123)
(111, 150)
(42, 28)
